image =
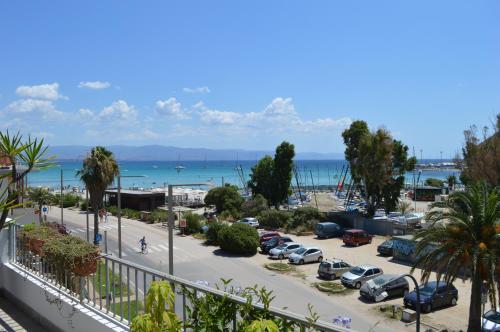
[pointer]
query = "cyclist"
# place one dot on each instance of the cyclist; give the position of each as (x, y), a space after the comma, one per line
(143, 244)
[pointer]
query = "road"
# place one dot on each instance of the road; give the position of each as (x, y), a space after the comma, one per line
(195, 261)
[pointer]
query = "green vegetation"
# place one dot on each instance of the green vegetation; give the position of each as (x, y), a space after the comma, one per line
(239, 239)
(465, 233)
(481, 156)
(274, 219)
(116, 308)
(254, 206)
(69, 251)
(434, 182)
(98, 171)
(39, 196)
(451, 180)
(226, 199)
(391, 311)
(69, 200)
(306, 216)
(378, 163)
(271, 177)
(213, 233)
(330, 287)
(114, 282)
(193, 223)
(31, 153)
(281, 267)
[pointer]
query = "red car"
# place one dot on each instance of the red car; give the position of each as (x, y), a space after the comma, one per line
(266, 236)
(355, 237)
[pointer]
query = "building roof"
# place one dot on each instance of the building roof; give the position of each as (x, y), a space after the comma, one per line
(134, 192)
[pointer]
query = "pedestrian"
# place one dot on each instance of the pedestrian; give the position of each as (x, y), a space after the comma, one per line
(105, 215)
(101, 216)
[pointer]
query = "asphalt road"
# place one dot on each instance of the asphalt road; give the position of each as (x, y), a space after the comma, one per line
(194, 261)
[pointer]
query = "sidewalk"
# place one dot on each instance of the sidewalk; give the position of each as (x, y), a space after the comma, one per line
(14, 320)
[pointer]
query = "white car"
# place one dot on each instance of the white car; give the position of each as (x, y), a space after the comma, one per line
(250, 222)
(284, 250)
(306, 255)
(491, 321)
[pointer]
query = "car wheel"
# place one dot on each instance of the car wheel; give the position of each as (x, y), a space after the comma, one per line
(301, 262)
(320, 259)
(358, 285)
(405, 292)
(427, 308)
(280, 256)
(370, 241)
(453, 301)
(357, 244)
(333, 276)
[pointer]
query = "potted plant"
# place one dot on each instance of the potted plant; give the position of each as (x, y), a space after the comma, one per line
(34, 237)
(73, 254)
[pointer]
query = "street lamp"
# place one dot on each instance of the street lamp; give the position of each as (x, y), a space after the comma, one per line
(417, 306)
(119, 209)
(171, 222)
(62, 195)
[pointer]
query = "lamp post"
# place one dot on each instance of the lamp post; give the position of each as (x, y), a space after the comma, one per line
(119, 209)
(171, 222)
(62, 195)
(417, 306)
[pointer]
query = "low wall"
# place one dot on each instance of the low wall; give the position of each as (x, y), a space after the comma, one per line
(357, 220)
(45, 304)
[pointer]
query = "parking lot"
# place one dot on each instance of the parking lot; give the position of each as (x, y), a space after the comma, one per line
(451, 318)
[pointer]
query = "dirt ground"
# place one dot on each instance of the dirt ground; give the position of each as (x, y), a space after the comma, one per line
(451, 318)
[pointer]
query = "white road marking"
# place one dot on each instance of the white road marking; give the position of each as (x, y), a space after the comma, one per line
(163, 247)
(154, 248)
(81, 230)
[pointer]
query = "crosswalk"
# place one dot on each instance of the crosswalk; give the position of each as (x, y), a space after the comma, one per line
(102, 227)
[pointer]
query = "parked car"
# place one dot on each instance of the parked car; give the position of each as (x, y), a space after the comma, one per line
(306, 255)
(491, 321)
(331, 269)
(383, 287)
(274, 242)
(249, 221)
(355, 237)
(328, 229)
(386, 248)
(284, 250)
(266, 236)
(432, 295)
(360, 274)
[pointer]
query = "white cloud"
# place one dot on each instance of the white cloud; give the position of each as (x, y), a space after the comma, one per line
(95, 85)
(85, 112)
(118, 111)
(219, 117)
(202, 89)
(279, 107)
(170, 107)
(43, 91)
(31, 106)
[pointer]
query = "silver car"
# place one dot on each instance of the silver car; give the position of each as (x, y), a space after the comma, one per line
(250, 222)
(306, 255)
(284, 250)
(384, 286)
(360, 274)
(331, 269)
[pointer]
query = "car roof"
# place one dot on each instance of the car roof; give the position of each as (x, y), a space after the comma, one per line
(290, 243)
(368, 266)
(433, 284)
(355, 231)
(389, 277)
(311, 247)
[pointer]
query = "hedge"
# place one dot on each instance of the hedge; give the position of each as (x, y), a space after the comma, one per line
(239, 239)
(213, 233)
(274, 218)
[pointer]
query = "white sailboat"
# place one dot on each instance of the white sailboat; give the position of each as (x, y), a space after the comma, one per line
(179, 167)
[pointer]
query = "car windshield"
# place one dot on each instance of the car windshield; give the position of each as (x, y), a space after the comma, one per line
(282, 246)
(380, 281)
(387, 243)
(357, 271)
(301, 251)
(492, 316)
(426, 290)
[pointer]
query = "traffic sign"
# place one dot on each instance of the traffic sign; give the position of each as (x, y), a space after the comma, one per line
(183, 223)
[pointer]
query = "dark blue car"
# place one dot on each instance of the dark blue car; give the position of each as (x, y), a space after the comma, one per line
(432, 295)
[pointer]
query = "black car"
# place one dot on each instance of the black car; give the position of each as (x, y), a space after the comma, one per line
(386, 248)
(274, 242)
(383, 287)
(432, 295)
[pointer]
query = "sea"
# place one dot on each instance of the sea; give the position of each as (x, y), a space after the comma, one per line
(206, 174)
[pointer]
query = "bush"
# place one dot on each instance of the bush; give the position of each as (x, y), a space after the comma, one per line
(228, 216)
(69, 200)
(305, 215)
(434, 182)
(193, 223)
(213, 232)
(274, 218)
(131, 213)
(239, 239)
(225, 198)
(83, 205)
(254, 206)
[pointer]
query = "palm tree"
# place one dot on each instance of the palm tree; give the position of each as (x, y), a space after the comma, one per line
(98, 171)
(404, 207)
(40, 196)
(452, 181)
(463, 233)
(30, 154)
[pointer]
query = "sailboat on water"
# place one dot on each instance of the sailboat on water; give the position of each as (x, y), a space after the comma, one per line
(179, 167)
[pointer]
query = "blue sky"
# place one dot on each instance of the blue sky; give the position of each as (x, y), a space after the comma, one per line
(234, 74)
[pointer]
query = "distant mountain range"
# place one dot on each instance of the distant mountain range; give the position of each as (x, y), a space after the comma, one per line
(171, 153)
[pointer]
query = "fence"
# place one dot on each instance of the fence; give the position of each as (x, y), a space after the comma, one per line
(119, 289)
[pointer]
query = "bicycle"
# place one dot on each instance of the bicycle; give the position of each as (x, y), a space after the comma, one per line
(144, 248)
(343, 321)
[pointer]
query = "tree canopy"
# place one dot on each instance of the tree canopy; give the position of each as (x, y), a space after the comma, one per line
(226, 199)
(271, 178)
(378, 163)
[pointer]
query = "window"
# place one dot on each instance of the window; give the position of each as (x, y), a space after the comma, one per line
(376, 271)
(312, 251)
(369, 273)
(344, 264)
(336, 265)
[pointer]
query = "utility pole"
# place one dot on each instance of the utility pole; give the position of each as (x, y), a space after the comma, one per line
(87, 215)
(62, 199)
(119, 215)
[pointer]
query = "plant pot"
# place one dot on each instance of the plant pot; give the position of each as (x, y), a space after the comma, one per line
(36, 246)
(85, 265)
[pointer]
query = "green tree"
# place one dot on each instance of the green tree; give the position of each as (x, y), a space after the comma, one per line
(40, 196)
(434, 182)
(463, 233)
(404, 207)
(98, 171)
(282, 173)
(226, 199)
(452, 181)
(261, 178)
(353, 136)
(239, 239)
(274, 219)
(254, 206)
(31, 154)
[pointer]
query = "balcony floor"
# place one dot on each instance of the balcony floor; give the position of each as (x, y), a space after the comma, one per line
(12, 319)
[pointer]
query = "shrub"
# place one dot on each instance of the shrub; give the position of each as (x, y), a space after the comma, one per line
(225, 198)
(213, 232)
(434, 182)
(274, 218)
(304, 215)
(83, 205)
(193, 223)
(239, 239)
(228, 216)
(69, 200)
(254, 206)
